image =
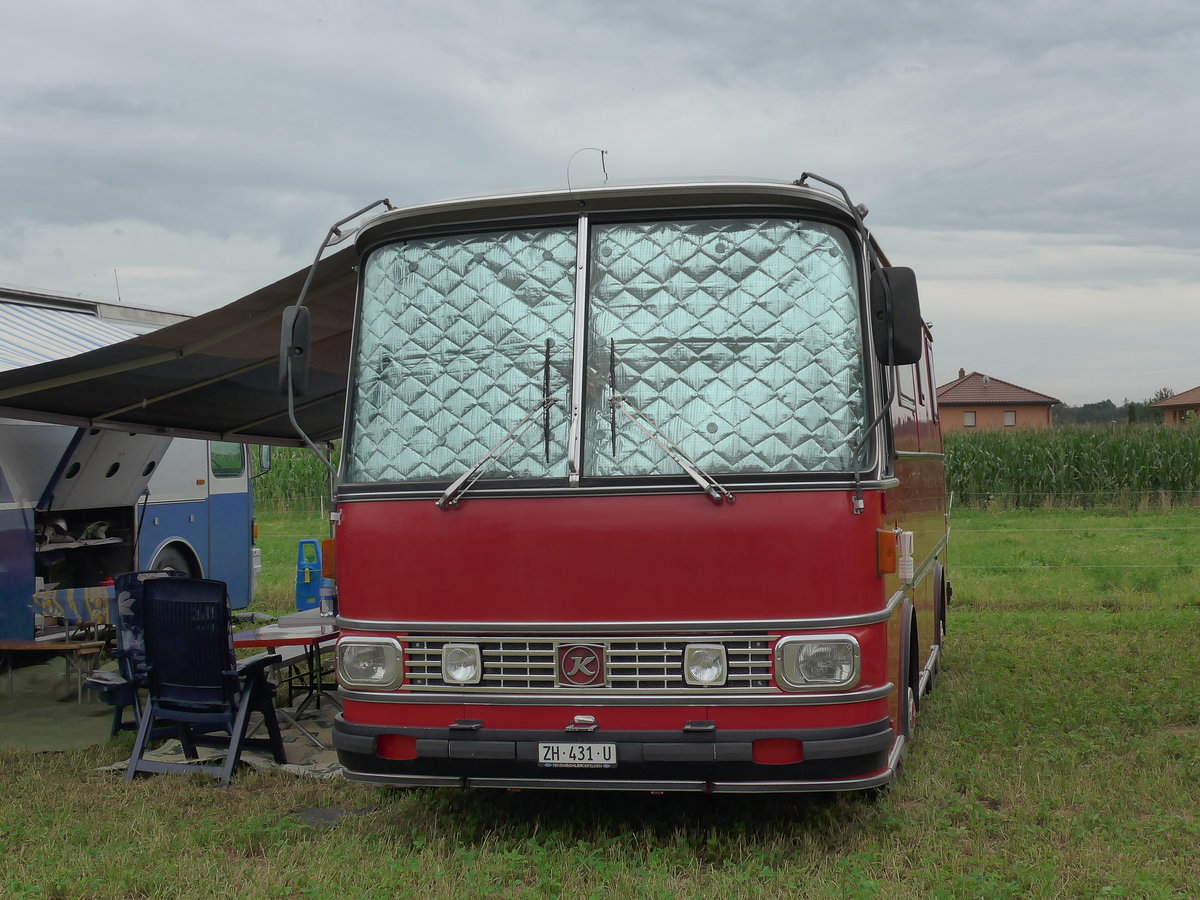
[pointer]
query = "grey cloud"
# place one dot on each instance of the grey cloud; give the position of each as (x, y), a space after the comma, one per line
(1068, 121)
(86, 99)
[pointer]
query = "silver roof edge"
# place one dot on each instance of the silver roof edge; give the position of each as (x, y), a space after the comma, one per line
(612, 196)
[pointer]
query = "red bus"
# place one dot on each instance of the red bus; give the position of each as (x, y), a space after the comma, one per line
(642, 489)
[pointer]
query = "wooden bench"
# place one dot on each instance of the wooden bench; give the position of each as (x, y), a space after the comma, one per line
(75, 653)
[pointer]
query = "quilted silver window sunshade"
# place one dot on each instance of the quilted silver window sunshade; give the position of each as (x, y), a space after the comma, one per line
(739, 339)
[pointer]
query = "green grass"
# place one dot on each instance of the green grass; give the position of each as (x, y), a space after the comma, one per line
(279, 532)
(1076, 560)
(1058, 757)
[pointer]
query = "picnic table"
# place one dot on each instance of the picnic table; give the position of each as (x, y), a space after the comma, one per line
(80, 656)
(310, 633)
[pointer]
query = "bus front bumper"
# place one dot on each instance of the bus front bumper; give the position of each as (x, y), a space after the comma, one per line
(466, 755)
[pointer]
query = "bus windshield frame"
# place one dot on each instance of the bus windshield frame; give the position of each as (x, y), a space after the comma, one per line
(738, 337)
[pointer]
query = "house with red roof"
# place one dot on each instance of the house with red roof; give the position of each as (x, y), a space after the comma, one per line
(1180, 408)
(982, 402)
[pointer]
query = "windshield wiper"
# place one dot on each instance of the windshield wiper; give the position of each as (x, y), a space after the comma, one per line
(707, 483)
(449, 498)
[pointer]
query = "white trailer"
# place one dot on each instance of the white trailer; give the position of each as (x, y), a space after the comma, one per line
(79, 505)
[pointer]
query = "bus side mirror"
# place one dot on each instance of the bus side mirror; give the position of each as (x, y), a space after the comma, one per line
(894, 300)
(264, 459)
(293, 351)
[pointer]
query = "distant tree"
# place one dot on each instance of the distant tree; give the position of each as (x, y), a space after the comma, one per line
(1100, 412)
(1103, 412)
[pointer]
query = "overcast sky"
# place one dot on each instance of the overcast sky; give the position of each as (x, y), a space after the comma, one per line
(1035, 163)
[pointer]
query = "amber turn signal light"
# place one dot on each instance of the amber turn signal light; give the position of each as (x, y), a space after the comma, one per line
(328, 563)
(885, 551)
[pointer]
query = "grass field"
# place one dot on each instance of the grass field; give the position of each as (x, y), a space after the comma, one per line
(279, 534)
(1058, 757)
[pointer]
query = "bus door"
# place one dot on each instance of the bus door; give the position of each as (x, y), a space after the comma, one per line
(229, 519)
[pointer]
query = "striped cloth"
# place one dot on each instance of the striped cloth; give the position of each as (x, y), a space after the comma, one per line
(32, 334)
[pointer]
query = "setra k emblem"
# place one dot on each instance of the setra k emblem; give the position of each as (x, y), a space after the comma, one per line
(581, 665)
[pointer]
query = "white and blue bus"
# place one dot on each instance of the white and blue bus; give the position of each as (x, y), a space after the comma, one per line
(80, 505)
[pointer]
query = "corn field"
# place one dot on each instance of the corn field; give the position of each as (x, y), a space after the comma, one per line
(1132, 467)
(297, 481)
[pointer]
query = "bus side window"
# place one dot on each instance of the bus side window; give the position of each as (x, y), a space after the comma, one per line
(931, 378)
(228, 460)
(905, 377)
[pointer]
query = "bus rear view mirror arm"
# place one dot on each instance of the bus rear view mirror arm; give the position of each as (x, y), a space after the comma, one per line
(294, 336)
(293, 351)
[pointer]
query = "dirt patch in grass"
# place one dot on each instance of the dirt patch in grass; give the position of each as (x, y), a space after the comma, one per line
(1189, 731)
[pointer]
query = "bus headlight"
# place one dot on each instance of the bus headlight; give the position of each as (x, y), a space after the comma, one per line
(461, 664)
(375, 663)
(817, 662)
(704, 664)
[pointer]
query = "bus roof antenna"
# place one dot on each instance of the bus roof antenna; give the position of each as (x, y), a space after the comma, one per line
(603, 168)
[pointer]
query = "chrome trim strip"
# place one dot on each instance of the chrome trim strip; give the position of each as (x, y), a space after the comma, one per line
(919, 454)
(589, 638)
(553, 784)
(583, 784)
(941, 544)
(409, 780)
(930, 559)
(935, 653)
(349, 400)
(674, 195)
(579, 336)
(523, 629)
(478, 492)
(574, 697)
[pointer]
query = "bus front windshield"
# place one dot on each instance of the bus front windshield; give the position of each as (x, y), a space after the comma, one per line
(740, 340)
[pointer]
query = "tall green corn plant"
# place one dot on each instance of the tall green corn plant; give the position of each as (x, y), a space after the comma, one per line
(296, 481)
(1074, 466)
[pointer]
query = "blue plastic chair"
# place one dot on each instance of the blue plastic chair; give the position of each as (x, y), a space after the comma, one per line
(194, 681)
(125, 614)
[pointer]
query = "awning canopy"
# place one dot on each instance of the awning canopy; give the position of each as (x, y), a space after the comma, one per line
(214, 376)
(32, 334)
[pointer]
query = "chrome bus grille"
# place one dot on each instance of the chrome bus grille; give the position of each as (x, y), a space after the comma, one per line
(632, 664)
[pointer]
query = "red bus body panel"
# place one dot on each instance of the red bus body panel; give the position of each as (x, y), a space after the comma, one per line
(672, 558)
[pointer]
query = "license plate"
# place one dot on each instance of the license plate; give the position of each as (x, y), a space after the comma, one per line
(579, 756)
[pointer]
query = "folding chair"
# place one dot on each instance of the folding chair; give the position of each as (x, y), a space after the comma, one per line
(194, 681)
(125, 614)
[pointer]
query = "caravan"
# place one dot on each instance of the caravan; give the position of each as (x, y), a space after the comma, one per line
(80, 505)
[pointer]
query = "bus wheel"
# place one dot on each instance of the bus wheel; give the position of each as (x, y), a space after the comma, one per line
(169, 558)
(941, 601)
(908, 714)
(912, 675)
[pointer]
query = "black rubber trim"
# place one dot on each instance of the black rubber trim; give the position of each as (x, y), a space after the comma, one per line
(633, 747)
(855, 746)
(481, 749)
(353, 743)
(844, 732)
